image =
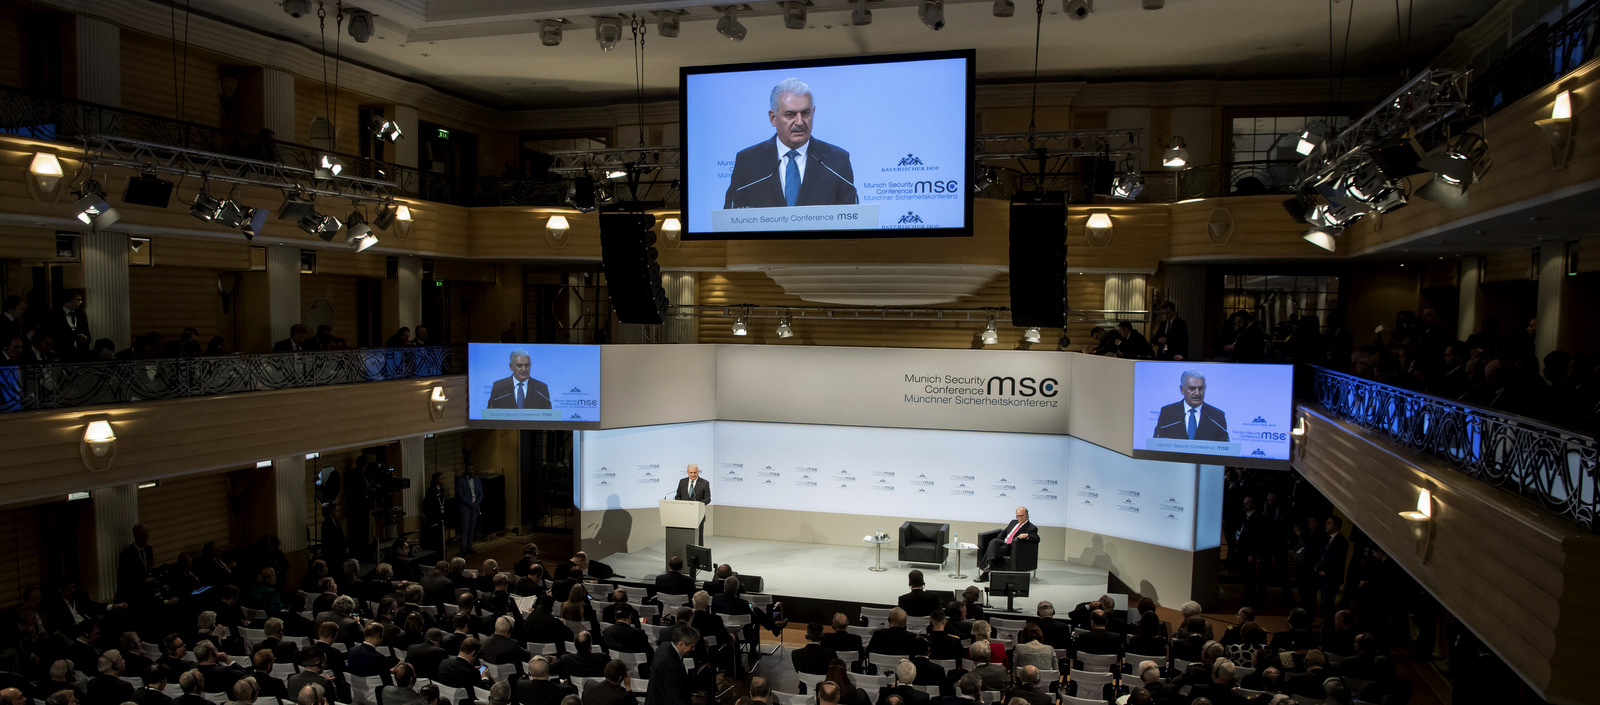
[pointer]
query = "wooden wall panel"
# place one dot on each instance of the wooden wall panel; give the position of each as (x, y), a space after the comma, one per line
(184, 513)
(1589, 253)
(310, 100)
(1519, 578)
(1508, 266)
(1084, 291)
(19, 553)
(231, 254)
(1260, 229)
(168, 299)
(27, 244)
(151, 75)
(1140, 238)
(180, 437)
(11, 50)
(320, 293)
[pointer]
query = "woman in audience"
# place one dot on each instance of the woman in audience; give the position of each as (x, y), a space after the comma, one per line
(981, 631)
(1032, 651)
(839, 675)
(1150, 639)
(577, 608)
(264, 594)
(410, 633)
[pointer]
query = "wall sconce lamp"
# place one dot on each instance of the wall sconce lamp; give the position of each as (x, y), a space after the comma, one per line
(1424, 510)
(672, 233)
(1098, 228)
(402, 217)
(1558, 129)
(99, 446)
(46, 171)
(436, 403)
(555, 230)
(1299, 427)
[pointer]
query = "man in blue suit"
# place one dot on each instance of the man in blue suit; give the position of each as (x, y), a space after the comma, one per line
(469, 499)
(791, 168)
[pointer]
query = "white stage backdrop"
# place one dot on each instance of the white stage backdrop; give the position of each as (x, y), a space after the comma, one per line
(901, 473)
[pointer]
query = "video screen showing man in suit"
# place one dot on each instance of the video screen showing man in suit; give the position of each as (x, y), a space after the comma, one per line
(520, 390)
(791, 168)
(1192, 418)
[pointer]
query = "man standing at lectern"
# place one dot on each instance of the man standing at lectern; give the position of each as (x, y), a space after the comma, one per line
(1020, 529)
(695, 489)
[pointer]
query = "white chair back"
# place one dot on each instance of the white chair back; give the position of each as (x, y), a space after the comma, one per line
(917, 624)
(1097, 663)
(884, 662)
(1090, 682)
(876, 616)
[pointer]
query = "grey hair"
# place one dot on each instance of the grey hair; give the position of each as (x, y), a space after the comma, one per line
(519, 352)
(788, 86)
(1191, 372)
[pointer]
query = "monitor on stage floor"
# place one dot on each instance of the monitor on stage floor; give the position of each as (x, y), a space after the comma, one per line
(699, 558)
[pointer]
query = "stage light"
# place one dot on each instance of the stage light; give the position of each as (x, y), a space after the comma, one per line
(983, 178)
(1077, 9)
(205, 206)
(1177, 155)
(1301, 205)
(91, 207)
(739, 327)
(931, 12)
(861, 16)
(1398, 158)
(616, 174)
(607, 31)
(328, 167)
(254, 220)
(667, 23)
(1424, 510)
(231, 214)
(1557, 129)
(784, 328)
(729, 25)
(356, 227)
(794, 14)
(295, 206)
(990, 335)
(361, 25)
(297, 8)
(1004, 8)
(550, 33)
(323, 226)
(1463, 161)
(1312, 138)
(385, 129)
(1444, 193)
(1321, 237)
(46, 171)
(1030, 335)
(1127, 186)
(365, 241)
(384, 218)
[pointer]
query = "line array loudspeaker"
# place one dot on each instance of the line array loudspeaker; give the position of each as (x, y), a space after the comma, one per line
(1039, 259)
(633, 278)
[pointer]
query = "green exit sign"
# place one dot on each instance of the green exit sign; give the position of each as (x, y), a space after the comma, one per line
(438, 282)
(444, 134)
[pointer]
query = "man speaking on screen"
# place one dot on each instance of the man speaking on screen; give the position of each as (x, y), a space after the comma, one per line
(1192, 418)
(520, 390)
(791, 168)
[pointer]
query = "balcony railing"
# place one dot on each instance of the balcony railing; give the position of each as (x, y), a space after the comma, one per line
(1539, 59)
(1548, 464)
(56, 385)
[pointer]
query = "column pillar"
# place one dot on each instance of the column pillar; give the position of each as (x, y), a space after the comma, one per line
(289, 495)
(402, 296)
(116, 510)
(1551, 299)
(413, 467)
(1468, 297)
(1186, 289)
(277, 100)
(105, 278)
(283, 289)
(99, 45)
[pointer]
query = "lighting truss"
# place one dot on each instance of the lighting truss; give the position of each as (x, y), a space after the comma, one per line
(108, 150)
(823, 313)
(1434, 96)
(1126, 143)
(579, 162)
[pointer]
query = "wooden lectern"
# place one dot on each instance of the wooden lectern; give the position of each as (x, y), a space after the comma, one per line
(682, 519)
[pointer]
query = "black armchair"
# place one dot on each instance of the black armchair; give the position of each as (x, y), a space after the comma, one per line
(923, 542)
(1024, 556)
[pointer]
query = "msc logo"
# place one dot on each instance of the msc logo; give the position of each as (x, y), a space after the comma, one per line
(1172, 499)
(1169, 516)
(1087, 502)
(910, 217)
(1002, 479)
(910, 160)
(768, 482)
(575, 417)
(1025, 387)
(1258, 451)
(844, 487)
(1002, 494)
(1127, 501)
(575, 390)
(1258, 419)
(603, 468)
(604, 482)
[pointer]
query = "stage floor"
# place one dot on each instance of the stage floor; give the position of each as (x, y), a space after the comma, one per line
(842, 573)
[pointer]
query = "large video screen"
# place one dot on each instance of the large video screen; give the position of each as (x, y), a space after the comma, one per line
(1218, 412)
(834, 148)
(533, 386)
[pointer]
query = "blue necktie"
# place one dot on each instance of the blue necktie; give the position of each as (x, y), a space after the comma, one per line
(791, 179)
(522, 392)
(1191, 424)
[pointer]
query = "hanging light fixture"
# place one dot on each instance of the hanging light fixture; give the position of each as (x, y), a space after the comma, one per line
(1030, 335)
(1177, 154)
(1127, 186)
(784, 329)
(990, 335)
(92, 209)
(739, 327)
(729, 26)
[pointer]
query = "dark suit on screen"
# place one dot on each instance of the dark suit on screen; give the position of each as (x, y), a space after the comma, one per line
(503, 395)
(828, 180)
(1211, 425)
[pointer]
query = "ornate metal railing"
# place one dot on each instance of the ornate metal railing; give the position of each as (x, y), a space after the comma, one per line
(56, 386)
(1539, 59)
(1551, 465)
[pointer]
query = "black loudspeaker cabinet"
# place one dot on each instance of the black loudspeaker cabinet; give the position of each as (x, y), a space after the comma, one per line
(1039, 259)
(633, 278)
(493, 511)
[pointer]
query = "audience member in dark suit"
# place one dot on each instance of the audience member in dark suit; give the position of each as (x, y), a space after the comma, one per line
(614, 690)
(586, 662)
(404, 688)
(269, 685)
(928, 672)
(707, 623)
(426, 655)
(108, 688)
(282, 651)
(918, 602)
(1028, 688)
(219, 671)
(12, 318)
(64, 612)
(193, 684)
(813, 658)
(1220, 688)
(943, 644)
(364, 659)
(538, 689)
(1330, 566)
(71, 327)
(1171, 337)
(669, 682)
(904, 674)
(840, 639)
(1057, 632)
(895, 639)
(1098, 640)
(133, 569)
(541, 627)
(313, 672)
(1250, 543)
(300, 339)
(674, 582)
(626, 637)
(461, 670)
(1190, 639)
(155, 681)
(499, 648)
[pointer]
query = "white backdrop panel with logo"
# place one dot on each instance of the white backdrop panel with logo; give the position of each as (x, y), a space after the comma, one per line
(633, 468)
